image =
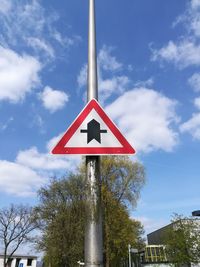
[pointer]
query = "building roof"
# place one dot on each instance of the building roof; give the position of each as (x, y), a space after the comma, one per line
(157, 237)
(21, 256)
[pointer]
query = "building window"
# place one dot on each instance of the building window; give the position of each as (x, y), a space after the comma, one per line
(17, 262)
(29, 262)
(9, 263)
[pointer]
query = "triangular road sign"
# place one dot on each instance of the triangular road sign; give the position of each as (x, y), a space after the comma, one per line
(93, 133)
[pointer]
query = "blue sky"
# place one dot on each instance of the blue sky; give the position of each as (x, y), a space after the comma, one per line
(149, 84)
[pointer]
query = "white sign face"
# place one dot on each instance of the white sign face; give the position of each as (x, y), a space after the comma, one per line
(106, 137)
(93, 133)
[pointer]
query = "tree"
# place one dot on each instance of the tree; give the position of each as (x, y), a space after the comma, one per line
(62, 211)
(123, 178)
(62, 215)
(16, 224)
(119, 231)
(122, 181)
(182, 241)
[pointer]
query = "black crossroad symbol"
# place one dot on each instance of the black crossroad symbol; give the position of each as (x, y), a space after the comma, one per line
(94, 131)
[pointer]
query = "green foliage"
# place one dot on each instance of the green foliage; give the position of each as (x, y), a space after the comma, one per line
(119, 231)
(62, 213)
(121, 184)
(182, 241)
(123, 178)
(62, 216)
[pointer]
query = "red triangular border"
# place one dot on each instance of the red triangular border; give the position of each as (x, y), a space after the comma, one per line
(61, 148)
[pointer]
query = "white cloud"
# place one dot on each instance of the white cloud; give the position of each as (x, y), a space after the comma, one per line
(43, 161)
(194, 82)
(19, 74)
(33, 169)
(60, 39)
(107, 61)
(197, 102)
(82, 77)
(192, 126)
(53, 141)
(150, 224)
(5, 125)
(53, 100)
(32, 13)
(23, 19)
(148, 121)
(116, 84)
(185, 51)
(38, 121)
(71, 161)
(41, 45)
(130, 68)
(108, 64)
(192, 18)
(19, 180)
(194, 26)
(32, 158)
(28, 23)
(195, 4)
(65, 41)
(146, 117)
(5, 6)
(147, 83)
(183, 54)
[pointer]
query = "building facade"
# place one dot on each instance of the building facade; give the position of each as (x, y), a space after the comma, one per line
(20, 261)
(185, 236)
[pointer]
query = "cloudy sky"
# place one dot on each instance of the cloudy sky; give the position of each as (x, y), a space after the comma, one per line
(149, 84)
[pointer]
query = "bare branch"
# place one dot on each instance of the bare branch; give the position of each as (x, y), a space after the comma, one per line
(16, 223)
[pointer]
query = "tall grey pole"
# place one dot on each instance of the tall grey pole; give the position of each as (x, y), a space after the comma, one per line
(93, 230)
(129, 255)
(92, 56)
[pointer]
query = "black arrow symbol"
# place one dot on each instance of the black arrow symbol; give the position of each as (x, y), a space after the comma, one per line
(93, 131)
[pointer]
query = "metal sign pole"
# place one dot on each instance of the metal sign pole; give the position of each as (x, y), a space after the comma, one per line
(93, 231)
(129, 255)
